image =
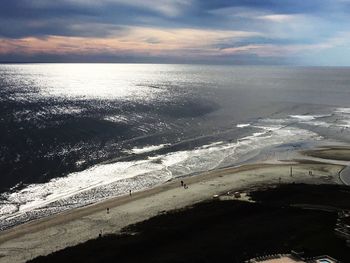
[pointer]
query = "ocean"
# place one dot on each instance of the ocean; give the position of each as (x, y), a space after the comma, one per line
(75, 134)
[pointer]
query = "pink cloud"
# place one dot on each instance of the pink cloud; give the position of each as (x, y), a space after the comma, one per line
(136, 40)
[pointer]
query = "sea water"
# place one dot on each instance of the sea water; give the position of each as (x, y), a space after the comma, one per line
(75, 134)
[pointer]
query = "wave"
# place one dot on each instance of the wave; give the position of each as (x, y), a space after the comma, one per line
(114, 179)
(343, 110)
(242, 125)
(146, 149)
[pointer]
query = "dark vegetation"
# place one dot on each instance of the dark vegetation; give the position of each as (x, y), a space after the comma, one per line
(228, 231)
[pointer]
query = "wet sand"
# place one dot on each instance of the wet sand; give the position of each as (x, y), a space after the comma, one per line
(340, 153)
(50, 234)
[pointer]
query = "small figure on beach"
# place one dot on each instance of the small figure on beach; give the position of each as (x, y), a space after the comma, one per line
(107, 210)
(310, 173)
(182, 183)
(130, 192)
(100, 234)
(185, 186)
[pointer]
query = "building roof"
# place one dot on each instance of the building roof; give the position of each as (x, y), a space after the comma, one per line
(275, 259)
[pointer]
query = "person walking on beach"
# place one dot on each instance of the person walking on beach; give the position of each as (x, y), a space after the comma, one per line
(107, 210)
(130, 192)
(182, 183)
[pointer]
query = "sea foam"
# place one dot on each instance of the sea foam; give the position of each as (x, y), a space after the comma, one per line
(107, 180)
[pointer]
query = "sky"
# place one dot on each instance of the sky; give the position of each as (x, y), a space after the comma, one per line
(292, 32)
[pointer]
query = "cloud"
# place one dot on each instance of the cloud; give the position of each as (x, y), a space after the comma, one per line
(175, 28)
(270, 50)
(280, 18)
(156, 41)
(291, 50)
(169, 8)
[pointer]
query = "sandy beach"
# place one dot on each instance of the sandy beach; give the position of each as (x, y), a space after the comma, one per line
(44, 236)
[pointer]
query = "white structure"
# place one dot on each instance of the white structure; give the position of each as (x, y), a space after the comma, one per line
(291, 259)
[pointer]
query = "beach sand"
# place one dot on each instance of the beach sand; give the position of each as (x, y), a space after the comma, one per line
(44, 236)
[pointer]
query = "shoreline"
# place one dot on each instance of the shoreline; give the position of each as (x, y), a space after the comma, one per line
(68, 215)
(46, 235)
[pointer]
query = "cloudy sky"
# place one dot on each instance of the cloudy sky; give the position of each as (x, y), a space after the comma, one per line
(302, 32)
